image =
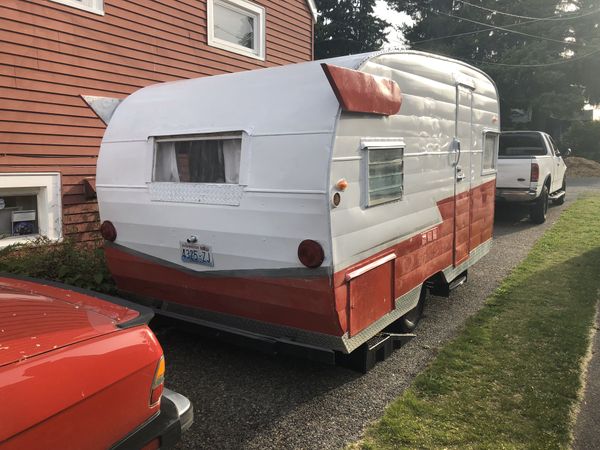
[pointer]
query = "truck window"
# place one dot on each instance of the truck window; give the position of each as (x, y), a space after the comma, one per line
(490, 145)
(385, 174)
(198, 159)
(521, 144)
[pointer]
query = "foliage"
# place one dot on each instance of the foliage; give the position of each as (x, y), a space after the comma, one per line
(347, 26)
(512, 377)
(584, 140)
(552, 91)
(67, 262)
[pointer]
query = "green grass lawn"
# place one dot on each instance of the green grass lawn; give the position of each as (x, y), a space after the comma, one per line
(511, 379)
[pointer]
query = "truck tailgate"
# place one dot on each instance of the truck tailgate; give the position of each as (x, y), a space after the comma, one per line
(514, 173)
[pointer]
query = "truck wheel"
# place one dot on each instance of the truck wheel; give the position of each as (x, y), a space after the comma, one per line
(540, 207)
(561, 199)
(408, 322)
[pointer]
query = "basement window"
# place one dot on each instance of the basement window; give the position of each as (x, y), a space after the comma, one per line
(237, 26)
(29, 207)
(94, 6)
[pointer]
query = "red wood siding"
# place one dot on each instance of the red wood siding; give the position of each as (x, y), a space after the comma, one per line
(51, 54)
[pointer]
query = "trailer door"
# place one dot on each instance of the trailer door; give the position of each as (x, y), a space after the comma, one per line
(462, 170)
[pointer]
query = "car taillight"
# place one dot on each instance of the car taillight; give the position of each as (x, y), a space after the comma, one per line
(158, 383)
(310, 253)
(535, 172)
(108, 231)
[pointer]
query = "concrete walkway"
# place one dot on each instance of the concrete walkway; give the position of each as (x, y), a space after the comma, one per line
(587, 428)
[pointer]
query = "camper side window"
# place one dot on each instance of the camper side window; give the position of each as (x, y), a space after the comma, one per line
(208, 160)
(490, 152)
(385, 174)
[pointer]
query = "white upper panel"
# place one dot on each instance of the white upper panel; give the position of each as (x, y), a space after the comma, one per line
(282, 100)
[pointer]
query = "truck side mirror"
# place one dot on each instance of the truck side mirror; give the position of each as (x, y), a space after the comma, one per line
(566, 153)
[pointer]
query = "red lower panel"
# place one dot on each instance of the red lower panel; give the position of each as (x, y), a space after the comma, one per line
(315, 304)
(426, 254)
(463, 217)
(305, 303)
(482, 213)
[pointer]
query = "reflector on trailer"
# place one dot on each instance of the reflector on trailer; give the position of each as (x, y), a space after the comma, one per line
(362, 92)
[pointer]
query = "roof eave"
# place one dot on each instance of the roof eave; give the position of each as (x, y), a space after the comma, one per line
(313, 8)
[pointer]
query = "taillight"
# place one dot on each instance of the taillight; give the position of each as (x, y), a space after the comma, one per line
(158, 384)
(310, 253)
(535, 172)
(108, 231)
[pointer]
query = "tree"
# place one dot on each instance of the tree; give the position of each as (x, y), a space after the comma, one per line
(544, 66)
(584, 139)
(347, 26)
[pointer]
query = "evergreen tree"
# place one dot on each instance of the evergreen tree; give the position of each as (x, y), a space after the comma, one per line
(347, 26)
(545, 66)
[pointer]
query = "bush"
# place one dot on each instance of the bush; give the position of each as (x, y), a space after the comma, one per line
(584, 140)
(68, 262)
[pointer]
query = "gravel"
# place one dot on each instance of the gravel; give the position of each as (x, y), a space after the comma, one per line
(244, 399)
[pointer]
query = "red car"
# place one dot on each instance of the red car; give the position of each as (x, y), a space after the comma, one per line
(81, 371)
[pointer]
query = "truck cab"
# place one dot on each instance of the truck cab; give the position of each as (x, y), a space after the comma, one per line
(531, 170)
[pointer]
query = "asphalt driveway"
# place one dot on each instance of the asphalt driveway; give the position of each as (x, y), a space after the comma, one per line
(244, 399)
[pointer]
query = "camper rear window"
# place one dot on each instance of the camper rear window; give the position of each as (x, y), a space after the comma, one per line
(201, 160)
(385, 174)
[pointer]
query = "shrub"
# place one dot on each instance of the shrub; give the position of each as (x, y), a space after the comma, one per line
(584, 140)
(68, 262)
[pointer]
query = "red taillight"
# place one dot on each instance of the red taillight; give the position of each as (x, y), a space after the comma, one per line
(157, 393)
(158, 383)
(108, 231)
(310, 253)
(535, 172)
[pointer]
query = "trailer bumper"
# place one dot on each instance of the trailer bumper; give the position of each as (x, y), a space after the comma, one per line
(516, 195)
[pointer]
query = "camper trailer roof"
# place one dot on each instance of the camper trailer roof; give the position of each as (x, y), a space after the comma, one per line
(292, 99)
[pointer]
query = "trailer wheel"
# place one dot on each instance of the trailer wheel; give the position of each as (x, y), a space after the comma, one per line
(408, 322)
(540, 207)
(560, 200)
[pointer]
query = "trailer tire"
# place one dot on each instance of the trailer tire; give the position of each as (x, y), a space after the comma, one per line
(409, 321)
(560, 200)
(539, 209)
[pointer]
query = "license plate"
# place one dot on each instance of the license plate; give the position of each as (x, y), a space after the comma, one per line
(196, 254)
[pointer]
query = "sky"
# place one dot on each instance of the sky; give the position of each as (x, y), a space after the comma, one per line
(396, 18)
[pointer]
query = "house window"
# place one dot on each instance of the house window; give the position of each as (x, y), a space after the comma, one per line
(490, 152)
(237, 26)
(95, 6)
(209, 159)
(385, 172)
(29, 207)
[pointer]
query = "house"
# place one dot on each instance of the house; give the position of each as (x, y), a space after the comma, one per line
(59, 56)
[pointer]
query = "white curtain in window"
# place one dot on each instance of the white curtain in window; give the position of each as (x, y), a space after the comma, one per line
(166, 163)
(232, 149)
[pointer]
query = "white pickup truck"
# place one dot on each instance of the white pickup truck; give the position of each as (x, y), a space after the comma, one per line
(531, 170)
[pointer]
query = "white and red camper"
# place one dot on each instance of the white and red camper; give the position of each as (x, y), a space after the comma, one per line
(308, 204)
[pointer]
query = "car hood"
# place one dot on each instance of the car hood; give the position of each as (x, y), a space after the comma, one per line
(36, 318)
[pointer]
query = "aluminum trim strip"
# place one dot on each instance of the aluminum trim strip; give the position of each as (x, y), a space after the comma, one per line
(369, 267)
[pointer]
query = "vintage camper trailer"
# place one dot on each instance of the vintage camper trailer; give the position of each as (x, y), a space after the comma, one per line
(308, 205)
